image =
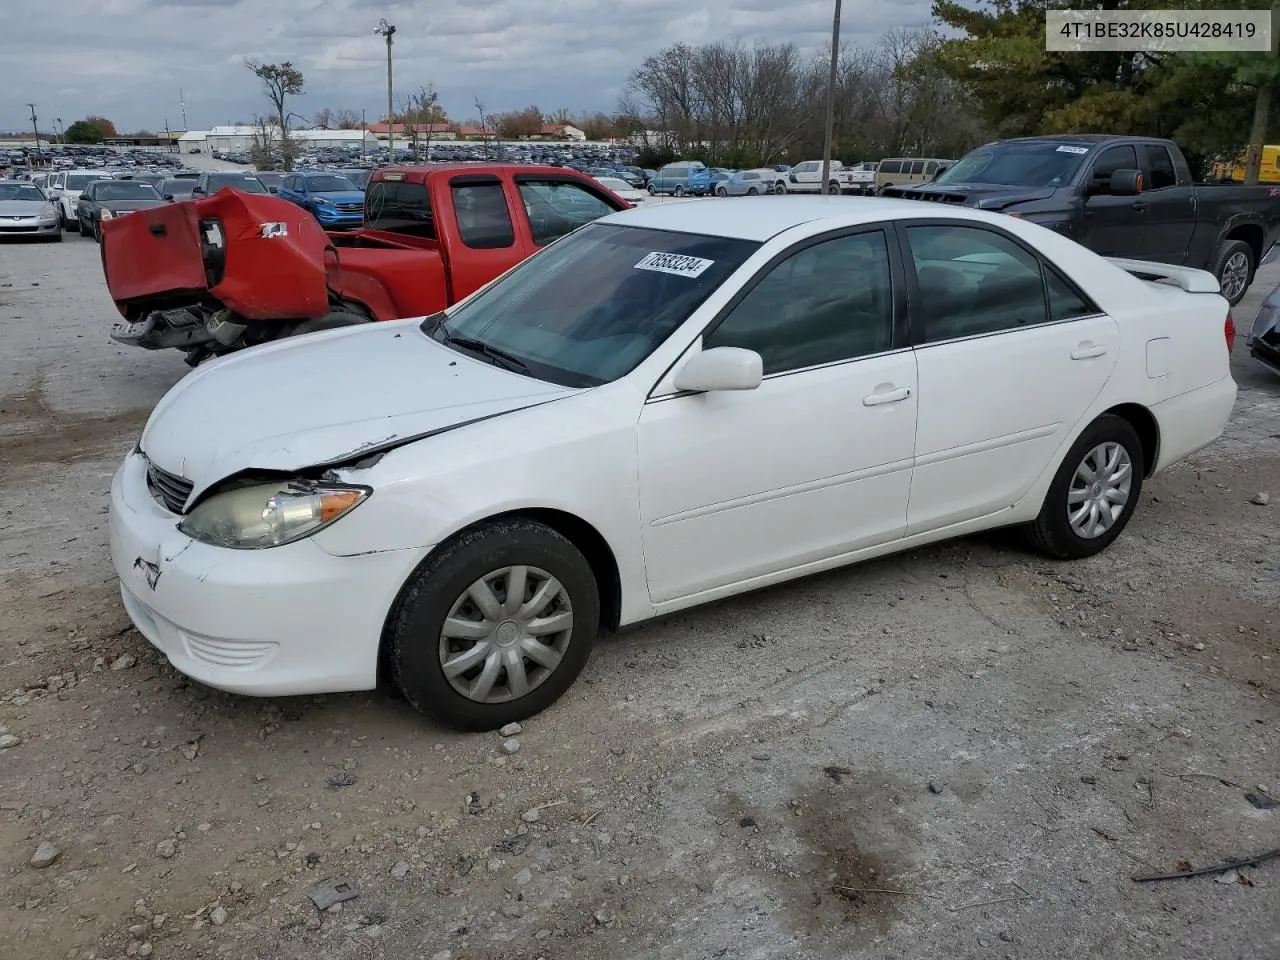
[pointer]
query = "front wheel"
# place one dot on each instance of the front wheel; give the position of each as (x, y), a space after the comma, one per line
(653, 192)
(330, 321)
(1234, 266)
(97, 230)
(1094, 492)
(495, 626)
(80, 228)
(780, 188)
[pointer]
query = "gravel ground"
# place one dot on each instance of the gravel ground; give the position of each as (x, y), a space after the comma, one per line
(964, 751)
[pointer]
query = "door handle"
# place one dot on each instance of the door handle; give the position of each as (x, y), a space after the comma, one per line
(1087, 351)
(1140, 205)
(890, 396)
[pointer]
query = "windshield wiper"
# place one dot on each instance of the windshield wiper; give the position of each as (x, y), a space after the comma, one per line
(500, 357)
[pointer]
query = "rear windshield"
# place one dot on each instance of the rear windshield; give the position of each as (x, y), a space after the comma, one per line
(125, 190)
(242, 182)
(399, 206)
(590, 307)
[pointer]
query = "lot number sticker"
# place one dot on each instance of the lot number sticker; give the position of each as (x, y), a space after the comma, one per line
(1068, 149)
(676, 263)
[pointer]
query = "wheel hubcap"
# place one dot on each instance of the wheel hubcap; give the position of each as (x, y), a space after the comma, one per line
(1235, 274)
(1099, 490)
(506, 634)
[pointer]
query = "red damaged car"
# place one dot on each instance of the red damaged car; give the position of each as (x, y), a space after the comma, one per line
(214, 275)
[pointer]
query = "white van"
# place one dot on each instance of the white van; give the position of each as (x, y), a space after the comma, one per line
(904, 171)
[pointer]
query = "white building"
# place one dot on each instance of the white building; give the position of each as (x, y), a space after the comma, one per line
(193, 141)
(235, 138)
(333, 138)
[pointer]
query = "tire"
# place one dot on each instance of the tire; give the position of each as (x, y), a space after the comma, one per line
(1052, 531)
(330, 321)
(652, 190)
(66, 224)
(80, 228)
(721, 192)
(833, 188)
(440, 590)
(1233, 266)
(56, 237)
(678, 191)
(752, 192)
(97, 231)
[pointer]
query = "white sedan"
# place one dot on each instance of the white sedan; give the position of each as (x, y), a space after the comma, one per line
(668, 406)
(633, 195)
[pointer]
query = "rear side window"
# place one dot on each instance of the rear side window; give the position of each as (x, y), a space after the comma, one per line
(1163, 173)
(400, 207)
(931, 167)
(1064, 302)
(917, 167)
(484, 221)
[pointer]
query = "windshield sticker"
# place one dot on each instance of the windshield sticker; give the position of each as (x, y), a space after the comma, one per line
(676, 263)
(1065, 148)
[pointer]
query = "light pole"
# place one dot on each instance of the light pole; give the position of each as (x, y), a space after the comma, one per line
(831, 99)
(60, 130)
(388, 31)
(35, 125)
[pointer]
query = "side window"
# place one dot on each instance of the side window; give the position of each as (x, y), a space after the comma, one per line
(556, 208)
(483, 218)
(1064, 302)
(1163, 173)
(1110, 160)
(828, 302)
(973, 281)
(891, 166)
(917, 167)
(931, 168)
(400, 207)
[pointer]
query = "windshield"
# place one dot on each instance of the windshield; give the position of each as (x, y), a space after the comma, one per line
(126, 190)
(177, 188)
(1018, 163)
(20, 191)
(246, 184)
(78, 181)
(330, 184)
(590, 307)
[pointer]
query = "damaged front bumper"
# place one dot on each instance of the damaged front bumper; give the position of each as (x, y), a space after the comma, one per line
(292, 619)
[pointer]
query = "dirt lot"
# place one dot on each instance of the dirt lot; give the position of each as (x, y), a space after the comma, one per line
(965, 751)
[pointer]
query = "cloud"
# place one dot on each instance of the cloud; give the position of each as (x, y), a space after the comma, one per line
(128, 59)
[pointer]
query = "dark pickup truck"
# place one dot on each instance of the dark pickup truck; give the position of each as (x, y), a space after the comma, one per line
(1131, 197)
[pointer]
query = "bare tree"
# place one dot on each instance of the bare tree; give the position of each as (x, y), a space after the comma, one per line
(280, 81)
(484, 127)
(324, 119)
(347, 119)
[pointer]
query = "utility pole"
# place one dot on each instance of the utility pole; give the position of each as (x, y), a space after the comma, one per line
(60, 130)
(35, 125)
(388, 31)
(831, 99)
(167, 138)
(364, 133)
(182, 101)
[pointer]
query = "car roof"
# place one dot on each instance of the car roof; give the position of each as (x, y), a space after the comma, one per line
(748, 219)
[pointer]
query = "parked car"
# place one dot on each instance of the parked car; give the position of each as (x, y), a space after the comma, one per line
(207, 184)
(176, 188)
(332, 199)
(1119, 196)
(104, 200)
(64, 188)
(904, 171)
(634, 176)
(214, 275)
(806, 177)
(680, 178)
(667, 407)
(746, 183)
(271, 179)
(1264, 336)
(358, 177)
(623, 189)
(861, 178)
(25, 211)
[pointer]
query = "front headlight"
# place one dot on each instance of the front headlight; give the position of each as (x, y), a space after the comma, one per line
(106, 214)
(1267, 319)
(49, 214)
(270, 514)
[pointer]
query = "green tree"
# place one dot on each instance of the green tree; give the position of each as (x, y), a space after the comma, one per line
(90, 130)
(279, 81)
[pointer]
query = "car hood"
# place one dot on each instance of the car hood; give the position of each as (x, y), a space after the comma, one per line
(341, 196)
(981, 195)
(325, 399)
(22, 208)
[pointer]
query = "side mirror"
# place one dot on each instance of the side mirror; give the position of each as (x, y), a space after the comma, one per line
(1126, 183)
(940, 171)
(168, 196)
(721, 368)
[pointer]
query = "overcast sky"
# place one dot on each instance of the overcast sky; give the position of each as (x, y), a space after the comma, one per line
(128, 59)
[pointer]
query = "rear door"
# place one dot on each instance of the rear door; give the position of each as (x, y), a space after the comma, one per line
(480, 234)
(1170, 209)
(1010, 356)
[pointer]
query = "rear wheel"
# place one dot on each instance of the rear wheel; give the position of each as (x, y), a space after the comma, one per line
(833, 187)
(678, 191)
(721, 192)
(752, 192)
(1094, 492)
(495, 626)
(1234, 266)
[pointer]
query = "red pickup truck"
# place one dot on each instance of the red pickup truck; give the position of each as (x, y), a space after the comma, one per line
(232, 270)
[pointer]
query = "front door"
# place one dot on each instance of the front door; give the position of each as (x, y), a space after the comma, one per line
(813, 463)
(1113, 226)
(1170, 210)
(1010, 357)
